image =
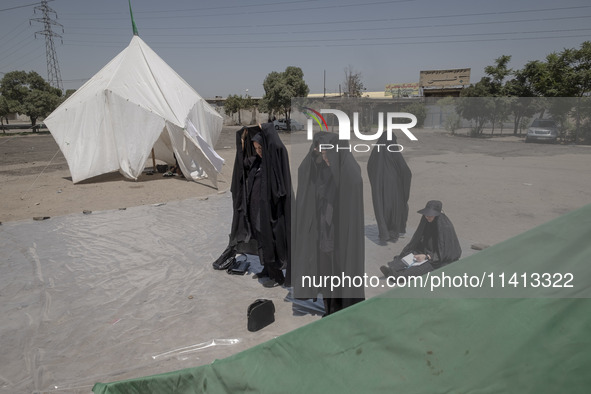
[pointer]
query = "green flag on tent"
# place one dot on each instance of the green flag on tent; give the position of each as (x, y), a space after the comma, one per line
(135, 33)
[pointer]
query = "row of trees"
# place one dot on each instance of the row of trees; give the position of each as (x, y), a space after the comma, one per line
(281, 87)
(504, 92)
(234, 104)
(28, 94)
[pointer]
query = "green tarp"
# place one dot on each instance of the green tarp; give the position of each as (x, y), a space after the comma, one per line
(521, 338)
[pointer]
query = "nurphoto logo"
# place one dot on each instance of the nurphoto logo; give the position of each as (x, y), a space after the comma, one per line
(344, 125)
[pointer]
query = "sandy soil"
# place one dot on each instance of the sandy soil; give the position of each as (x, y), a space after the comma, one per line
(36, 181)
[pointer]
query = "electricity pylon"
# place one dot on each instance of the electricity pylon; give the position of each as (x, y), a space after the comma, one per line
(53, 69)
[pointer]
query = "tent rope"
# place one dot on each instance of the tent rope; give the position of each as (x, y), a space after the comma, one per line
(7, 140)
(225, 180)
(41, 173)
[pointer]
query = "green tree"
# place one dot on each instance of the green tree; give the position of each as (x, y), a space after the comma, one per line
(280, 88)
(39, 104)
(419, 110)
(249, 104)
(4, 111)
(69, 92)
(29, 94)
(14, 89)
(569, 72)
(497, 75)
(232, 105)
(493, 91)
(447, 114)
(496, 88)
(563, 74)
(475, 104)
(353, 84)
(235, 103)
(524, 103)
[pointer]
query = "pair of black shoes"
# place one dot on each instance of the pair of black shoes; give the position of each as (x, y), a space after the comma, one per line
(387, 271)
(273, 283)
(269, 282)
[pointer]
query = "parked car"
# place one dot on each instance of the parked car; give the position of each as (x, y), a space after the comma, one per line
(281, 124)
(38, 127)
(542, 130)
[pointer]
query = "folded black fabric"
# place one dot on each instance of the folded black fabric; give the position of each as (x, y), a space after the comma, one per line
(226, 259)
(239, 267)
(260, 314)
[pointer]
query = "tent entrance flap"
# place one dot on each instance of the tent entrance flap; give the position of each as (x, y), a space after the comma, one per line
(192, 159)
(207, 149)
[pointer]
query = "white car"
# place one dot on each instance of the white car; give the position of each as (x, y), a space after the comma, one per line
(281, 124)
(542, 130)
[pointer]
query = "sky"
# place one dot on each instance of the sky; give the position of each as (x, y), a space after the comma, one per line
(230, 46)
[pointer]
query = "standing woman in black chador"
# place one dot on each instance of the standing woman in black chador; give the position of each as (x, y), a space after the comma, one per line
(433, 245)
(261, 195)
(329, 235)
(390, 178)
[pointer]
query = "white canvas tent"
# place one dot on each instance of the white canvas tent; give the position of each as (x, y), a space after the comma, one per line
(134, 104)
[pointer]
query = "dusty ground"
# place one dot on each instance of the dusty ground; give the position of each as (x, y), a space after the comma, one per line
(492, 188)
(36, 181)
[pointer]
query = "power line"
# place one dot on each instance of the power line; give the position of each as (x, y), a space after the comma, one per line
(353, 39)
(10, 57)
(307, 10)
(348, 30)
(280, 45)
(23, 63)
(53, 69)
(20, 6)
(183, 11)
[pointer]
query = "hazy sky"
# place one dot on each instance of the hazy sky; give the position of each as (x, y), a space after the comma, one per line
(229, 46)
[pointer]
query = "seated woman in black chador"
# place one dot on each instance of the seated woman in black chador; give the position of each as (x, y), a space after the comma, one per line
(433, 245)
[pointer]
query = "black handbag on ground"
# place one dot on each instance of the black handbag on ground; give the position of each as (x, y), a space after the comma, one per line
(239, 267)
(260, 314)
(226, 259)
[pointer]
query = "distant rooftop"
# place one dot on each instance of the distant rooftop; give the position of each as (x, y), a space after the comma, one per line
(375, 95)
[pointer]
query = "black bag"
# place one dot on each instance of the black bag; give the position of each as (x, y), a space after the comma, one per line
(260, 314)
(239, 267)
(226, 259)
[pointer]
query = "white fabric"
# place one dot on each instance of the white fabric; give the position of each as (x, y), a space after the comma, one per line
(135, 103)
(211, 154)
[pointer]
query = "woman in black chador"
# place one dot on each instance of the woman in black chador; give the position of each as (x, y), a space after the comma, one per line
(433, 245)
(261, 196)
(390, 178)
(329, 235)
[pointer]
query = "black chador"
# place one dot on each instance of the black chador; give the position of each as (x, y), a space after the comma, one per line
(390, 178)
(329, 229)
(261, 197)
(435, 237)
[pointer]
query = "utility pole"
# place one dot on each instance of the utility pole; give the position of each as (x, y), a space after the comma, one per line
(53, 69)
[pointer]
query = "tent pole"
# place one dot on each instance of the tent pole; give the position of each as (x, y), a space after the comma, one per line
(153, 161)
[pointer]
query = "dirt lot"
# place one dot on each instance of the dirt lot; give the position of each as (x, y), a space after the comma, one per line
(36, 181)
(492, 188)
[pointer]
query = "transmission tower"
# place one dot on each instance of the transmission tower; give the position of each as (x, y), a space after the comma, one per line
(53, 69)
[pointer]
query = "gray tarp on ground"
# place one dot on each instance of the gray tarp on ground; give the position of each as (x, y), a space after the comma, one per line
(122, 293)
(430, 345)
